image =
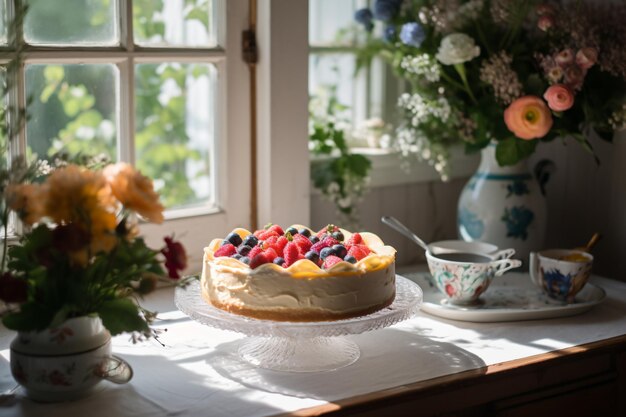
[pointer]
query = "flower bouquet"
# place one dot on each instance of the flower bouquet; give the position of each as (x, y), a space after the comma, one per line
(81, 253)
(515, 73)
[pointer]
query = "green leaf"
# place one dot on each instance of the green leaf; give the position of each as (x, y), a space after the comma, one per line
(512, 150)
(31, 317)
(122, 315)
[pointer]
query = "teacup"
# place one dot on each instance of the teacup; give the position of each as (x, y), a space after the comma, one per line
(561, 273)
(463, 277)
(448, 246)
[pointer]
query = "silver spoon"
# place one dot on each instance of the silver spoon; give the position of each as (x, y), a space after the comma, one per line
(395, 224)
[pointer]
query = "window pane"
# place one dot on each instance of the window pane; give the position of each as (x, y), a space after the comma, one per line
(334, 74)
(73, 109)
(328, 17)
(72, 22)
(160, 23)
(174, 119)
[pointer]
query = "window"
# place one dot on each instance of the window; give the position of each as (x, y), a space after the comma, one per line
(149, 82)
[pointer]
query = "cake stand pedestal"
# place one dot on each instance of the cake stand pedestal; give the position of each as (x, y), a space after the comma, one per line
(300, 346)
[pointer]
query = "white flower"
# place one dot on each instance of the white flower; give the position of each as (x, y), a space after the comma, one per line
(457, 48)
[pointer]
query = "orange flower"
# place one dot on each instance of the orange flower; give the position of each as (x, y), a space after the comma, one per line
(134, 191)
(27, 200)
(80, 196)
(528, 118)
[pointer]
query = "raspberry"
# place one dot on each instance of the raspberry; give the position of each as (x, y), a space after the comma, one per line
(280, 244)
(270, 242)
(304, 244)
(331, 241)
(259, 259)
(270, 254)
(226, 250)
(359, 251)
(317, 247)
(330, 261)
(291, 254)
(355, 239)
(255, 251)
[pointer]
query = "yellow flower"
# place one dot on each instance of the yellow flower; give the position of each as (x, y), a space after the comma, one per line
(80, 196)
(134, 191)
(27, 200)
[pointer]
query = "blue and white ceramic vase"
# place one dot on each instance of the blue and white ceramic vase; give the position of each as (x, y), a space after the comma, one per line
(504, 206)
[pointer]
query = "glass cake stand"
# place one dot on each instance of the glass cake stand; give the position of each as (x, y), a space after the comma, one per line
(300, 346)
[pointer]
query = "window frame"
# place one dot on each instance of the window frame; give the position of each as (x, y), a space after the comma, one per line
(232, 117)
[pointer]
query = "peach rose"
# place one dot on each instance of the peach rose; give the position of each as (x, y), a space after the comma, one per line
(528, 118)
(27, 200)
(134, 191)
(559, 97)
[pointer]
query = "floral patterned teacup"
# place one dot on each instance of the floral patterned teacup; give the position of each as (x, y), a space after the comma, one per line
(561, 273)
(463, 277)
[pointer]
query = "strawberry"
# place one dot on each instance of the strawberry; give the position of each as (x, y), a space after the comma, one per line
(226, 250)
(276, 228)
(304, 244)
(266, 234)
(258, 259)
(270, 254)
(330, 261)
(255, 251)
(291, 254)
(359, 251)
(355, 239)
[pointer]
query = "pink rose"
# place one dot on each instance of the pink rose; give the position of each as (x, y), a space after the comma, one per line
(586, 57)
(565, 57)
(559, 97)
(545, 22)
(528, 118)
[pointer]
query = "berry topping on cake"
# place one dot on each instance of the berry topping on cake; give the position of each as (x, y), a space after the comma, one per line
(226, 250)
(355, 239)
(330, 261)
(359, 251)
(259, 259)
(234, 239)
(291, 254)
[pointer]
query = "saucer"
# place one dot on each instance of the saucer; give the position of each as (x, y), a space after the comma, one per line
(511, 297)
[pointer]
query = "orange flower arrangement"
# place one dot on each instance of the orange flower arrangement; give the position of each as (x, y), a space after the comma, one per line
(82, 254)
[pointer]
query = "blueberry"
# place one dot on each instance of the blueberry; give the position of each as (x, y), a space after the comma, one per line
(340, 251)
(338, 235)
(224, 242)
(292, 231)
(350, 258)
(312, 256)
(324, 253)
(237, 256)
(243, 250)
(251, 241)
(234, 238)
(305, 232)
(314, 239)
(279, 261)
(245, 260)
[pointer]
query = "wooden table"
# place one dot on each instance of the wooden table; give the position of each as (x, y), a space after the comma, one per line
(574, 366)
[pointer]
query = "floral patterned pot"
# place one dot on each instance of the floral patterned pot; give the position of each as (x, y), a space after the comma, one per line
(66, 362)
(504, 206)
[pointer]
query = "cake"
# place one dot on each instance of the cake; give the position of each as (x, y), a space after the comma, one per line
(299, 275)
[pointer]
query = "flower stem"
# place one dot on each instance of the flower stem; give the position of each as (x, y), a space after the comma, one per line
(460, 68)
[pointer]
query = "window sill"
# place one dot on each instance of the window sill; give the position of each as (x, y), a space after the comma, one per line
(386, 169)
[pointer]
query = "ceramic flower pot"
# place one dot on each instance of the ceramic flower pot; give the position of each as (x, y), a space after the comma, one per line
(504, 206)
(66, 362)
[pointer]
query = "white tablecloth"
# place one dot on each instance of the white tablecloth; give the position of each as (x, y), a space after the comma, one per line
(197, 372)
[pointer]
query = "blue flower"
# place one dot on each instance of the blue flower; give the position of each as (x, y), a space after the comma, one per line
(389, 33)
(363, 16)
(412, 34)
(385, 10)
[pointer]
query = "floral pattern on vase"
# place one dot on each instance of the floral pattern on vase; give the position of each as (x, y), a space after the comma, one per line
(508, 204)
